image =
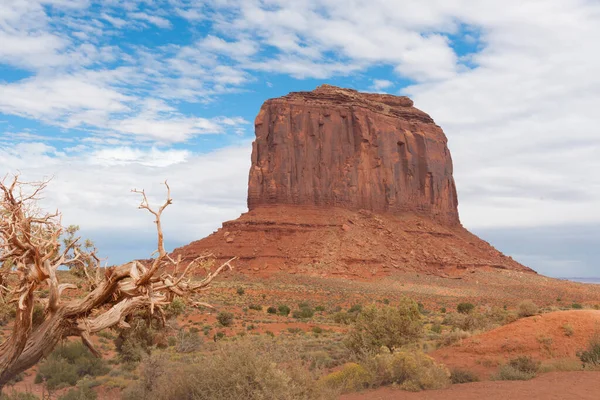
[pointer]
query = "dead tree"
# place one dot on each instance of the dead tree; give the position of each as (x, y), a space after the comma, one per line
(30, 255)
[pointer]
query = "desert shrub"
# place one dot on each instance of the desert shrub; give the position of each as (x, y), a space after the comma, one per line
(411, 370)
(342, 317)
(465, 308)
(518, 369)
(83, 391)
(576, 306)
(303, 313)
(18, 396)
(257, 369)
(67, 364)
(350, 378)
(133, 343)
(188, 342)
(175, 308)
(356, 308)
(561, 364)
(390, 327)
(462, 376)
(320, 308)
(255, 307)
(272, 310)
(443, 310)
(527, 308)
(284, 310)
(591, 356)
(437, 328)
(240, 291)
(225, 318)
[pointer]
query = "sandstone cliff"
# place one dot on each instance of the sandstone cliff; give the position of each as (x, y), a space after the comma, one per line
(349, 184)
(341, 148)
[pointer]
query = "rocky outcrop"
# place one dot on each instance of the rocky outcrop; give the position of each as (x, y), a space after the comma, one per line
(336, 147)
(349, 184)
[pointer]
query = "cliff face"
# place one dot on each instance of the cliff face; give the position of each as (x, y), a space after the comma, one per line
(338, 147)
(352, 185)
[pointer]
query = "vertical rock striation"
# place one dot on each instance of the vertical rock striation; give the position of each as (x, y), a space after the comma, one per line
(341, 148)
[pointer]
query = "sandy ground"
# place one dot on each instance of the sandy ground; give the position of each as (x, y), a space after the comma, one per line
(551, 386)
(543, 337)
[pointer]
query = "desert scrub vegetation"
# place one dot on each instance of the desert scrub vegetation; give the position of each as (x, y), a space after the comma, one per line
(410, 370)
(225, 318)
(350, 378)
(465, 308)
(591, 356)
(462, 376)
(388, 326)
(67, 364)
(518, 369)
(245, 369)
(527, 308)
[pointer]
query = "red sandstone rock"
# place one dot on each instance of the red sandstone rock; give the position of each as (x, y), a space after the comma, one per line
(349, 184)
(338, 147)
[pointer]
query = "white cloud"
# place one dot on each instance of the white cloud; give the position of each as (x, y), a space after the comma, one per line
(381, 84)
(92, 189)
(153, 19)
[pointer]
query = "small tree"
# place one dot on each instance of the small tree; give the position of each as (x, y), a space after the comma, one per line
(465, 308)
(31, 253)
(391, 327)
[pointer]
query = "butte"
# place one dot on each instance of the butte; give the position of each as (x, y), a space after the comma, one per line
(349, 184)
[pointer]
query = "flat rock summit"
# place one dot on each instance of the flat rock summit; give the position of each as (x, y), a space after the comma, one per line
(349, 184)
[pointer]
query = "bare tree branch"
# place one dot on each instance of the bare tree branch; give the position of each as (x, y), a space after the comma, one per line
(30, 256)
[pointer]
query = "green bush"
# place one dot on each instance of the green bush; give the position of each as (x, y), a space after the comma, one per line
(133, 343)
(465, 308)
(518, 369)
(175, 308)
(240, 291)
(320, 308)
(576, 306)
(225, 318)
(255, 307)
(272, 310)
(303, 313)
(342, 317)
(355, 308)
(388, 326)
(283, 310)
(591, 356)
(67, 364)
(462, 376)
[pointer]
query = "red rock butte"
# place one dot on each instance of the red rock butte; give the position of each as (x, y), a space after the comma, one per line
(349, 184)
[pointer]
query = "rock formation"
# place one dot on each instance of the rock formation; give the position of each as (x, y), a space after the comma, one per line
(341, 148)
(349, 184)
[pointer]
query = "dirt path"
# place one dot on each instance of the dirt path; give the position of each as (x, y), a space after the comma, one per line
(550, 386)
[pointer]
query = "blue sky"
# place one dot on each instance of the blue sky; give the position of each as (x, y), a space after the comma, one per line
(108, 95)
